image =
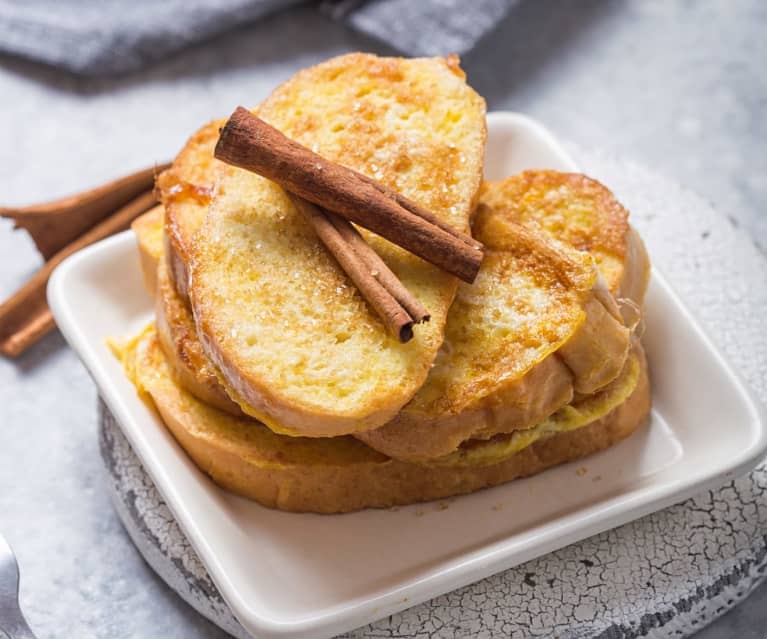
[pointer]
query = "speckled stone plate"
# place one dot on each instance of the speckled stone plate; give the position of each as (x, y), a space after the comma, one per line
(671, 571)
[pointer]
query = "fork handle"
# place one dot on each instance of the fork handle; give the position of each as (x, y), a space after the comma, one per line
(15, 626)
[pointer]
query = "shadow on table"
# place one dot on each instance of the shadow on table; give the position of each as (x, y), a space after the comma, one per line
(40, 353)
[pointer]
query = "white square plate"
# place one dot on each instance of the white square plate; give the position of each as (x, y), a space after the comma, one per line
(288, 575)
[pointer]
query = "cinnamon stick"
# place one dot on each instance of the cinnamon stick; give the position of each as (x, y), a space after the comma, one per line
(418, 210)
(55, 224)
(355, 258)
(25, 316)
(379, 269)
(250, 143)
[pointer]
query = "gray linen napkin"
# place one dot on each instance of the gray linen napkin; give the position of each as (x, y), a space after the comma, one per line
(422, 27)
(91, 37)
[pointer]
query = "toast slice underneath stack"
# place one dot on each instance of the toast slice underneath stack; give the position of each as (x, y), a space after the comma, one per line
(295, 343)
(341, 474)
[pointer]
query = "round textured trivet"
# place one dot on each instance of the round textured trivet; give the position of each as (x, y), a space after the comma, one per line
(666, 575)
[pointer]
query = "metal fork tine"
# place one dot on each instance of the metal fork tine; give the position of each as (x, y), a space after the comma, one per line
(12, 621)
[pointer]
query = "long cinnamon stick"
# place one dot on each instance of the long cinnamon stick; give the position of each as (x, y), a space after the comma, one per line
(394, 316)
(55, 224)
(25, 316)
(248, 142)
(418, 210)
(379, 269)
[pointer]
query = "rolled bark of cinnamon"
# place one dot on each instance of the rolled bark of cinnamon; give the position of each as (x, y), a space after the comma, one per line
(354, 258)
(379, 270)
(248, 142)
(53, 225)
(25, 316)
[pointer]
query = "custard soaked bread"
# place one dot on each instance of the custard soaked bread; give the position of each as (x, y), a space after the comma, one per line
(295, 343)
(537, 366)
(488, 377)
(548, 300)
(178, 337)
(174, 323)
(341, 474)
(149, 237)
(582, 212)
(185, 191)
(456, 402)
(536, 327)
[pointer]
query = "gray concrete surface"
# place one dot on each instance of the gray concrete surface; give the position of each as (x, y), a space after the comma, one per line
(678, 86)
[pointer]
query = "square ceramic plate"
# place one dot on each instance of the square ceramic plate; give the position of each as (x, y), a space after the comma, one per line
(288, 575)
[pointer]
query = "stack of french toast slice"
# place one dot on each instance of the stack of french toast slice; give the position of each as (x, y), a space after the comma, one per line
(280, 381)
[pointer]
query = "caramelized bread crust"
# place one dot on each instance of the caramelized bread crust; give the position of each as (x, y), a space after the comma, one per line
(148, 230)
(341, 474)
(185, 191)
(178, 338)
(636, 270)
(174, 323)
(580, 211)
(530, 332)
(297, 345)
(473, 390)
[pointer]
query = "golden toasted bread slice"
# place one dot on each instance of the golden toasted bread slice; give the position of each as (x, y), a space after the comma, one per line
(581, 411)
(185, 191)
(341, 474)
(297, 345)
(582, 212)
(178, 337)
(533, 329)
(174, 322)
(148, 230)
(439, 418)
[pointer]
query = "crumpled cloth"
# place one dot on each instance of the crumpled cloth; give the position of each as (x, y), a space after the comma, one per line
(116, 36)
